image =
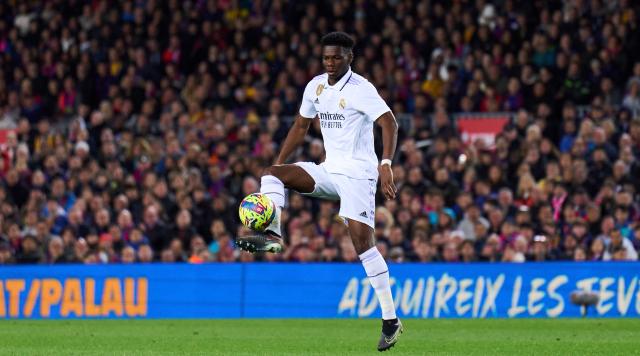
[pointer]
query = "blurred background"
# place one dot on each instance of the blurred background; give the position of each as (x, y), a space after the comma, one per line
(130, 130)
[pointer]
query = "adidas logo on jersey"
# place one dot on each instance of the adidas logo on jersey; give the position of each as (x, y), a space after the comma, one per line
(317, 101)
(363, 214)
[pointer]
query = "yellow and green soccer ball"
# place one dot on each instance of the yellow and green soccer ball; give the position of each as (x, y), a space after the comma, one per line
(257, 211)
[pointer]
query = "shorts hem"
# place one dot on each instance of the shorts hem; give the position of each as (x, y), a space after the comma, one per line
(360, 219)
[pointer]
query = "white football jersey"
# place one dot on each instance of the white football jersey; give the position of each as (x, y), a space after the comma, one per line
(346, 111)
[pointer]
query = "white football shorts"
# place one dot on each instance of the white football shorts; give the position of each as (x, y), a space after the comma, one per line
(357, 196)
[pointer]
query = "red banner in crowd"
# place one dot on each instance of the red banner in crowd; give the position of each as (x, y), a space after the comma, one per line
(473, 128)
(3, 136)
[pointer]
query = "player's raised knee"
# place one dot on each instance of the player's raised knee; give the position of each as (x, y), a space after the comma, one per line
(275, 171)
(270, 171)
(281, 172)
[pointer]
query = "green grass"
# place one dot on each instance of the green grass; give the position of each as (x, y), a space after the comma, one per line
(319, 337)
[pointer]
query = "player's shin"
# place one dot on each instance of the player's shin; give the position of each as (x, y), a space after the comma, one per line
(273, 187)
(378, 274)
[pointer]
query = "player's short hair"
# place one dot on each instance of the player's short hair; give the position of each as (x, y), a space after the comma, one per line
(338, 39)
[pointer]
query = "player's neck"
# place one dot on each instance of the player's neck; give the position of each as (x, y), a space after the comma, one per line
(337, 78)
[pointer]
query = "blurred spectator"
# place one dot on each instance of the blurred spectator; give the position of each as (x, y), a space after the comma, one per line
(129, 132)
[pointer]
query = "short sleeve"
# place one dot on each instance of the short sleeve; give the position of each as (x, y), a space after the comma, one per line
(306, 107)
(369, 102)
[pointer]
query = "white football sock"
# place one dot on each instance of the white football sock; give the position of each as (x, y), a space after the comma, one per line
(378, 274)
(273, 187)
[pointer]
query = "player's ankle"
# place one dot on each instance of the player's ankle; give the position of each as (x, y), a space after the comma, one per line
(271, 232)
(274, 227)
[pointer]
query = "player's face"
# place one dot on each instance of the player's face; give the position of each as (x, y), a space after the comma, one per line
(336, 61)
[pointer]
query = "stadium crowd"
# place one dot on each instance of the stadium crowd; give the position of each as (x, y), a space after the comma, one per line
(131, 130)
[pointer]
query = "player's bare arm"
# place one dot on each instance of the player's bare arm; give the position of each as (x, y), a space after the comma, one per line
(294, 139)
(291, 175)
(389, 127)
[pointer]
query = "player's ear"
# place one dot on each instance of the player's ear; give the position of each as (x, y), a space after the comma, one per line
(350, 57)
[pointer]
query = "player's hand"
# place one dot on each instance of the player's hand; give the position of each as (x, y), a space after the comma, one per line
(386, 181)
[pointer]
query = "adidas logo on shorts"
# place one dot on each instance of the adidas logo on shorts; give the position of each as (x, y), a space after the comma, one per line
(363, 214)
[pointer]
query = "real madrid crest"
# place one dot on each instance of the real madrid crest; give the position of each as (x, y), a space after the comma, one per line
(319, 89)
(342, 103)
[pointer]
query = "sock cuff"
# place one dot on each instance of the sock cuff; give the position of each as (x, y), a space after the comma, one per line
(273, 188)
(270, 179)
(370, 254)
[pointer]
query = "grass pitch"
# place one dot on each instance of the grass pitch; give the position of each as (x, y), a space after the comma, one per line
(319, 337)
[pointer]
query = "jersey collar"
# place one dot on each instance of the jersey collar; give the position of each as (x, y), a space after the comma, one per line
(341, 83)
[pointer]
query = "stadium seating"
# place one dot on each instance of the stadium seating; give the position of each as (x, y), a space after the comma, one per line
(129, 131)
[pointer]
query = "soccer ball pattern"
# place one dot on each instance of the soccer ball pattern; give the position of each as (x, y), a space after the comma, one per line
(257, 211)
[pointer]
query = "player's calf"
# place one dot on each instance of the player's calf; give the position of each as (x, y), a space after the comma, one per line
(273, 187)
